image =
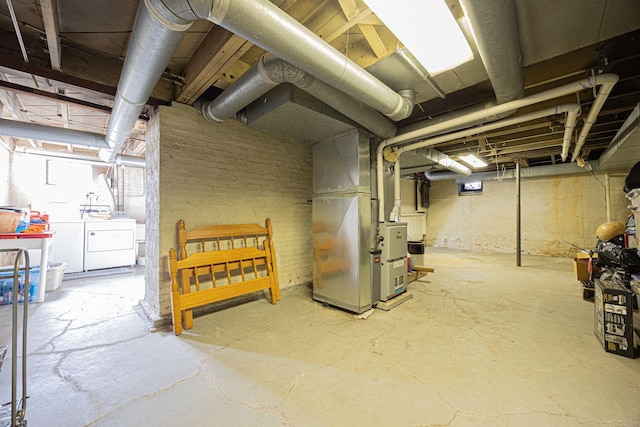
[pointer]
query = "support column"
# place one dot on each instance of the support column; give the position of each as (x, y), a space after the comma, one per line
(518, 222)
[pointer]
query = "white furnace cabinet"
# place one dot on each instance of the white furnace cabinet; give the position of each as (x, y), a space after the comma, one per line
(94, 244)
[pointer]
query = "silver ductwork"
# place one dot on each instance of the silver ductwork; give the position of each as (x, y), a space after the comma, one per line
(495, 31)
(495, 28)
(25, 130)
(271, 71)
(160, 26)
(131, 161)
(151, 47)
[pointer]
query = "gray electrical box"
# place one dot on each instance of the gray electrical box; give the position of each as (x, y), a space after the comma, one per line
(393, 244)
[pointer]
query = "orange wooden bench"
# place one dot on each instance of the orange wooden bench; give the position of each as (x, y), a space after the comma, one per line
(225, 261)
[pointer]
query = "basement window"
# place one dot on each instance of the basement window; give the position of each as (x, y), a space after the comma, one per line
(467, 188)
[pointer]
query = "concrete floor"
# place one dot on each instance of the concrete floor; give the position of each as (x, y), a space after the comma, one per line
(482, 343)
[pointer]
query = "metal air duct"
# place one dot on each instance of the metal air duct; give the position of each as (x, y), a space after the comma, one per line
(161, 24)
(153, 41)
(25, 130)
(271, 71)
(532, 172)
(495, 31)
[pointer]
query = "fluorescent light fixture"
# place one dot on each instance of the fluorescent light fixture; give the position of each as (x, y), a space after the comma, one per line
(473, 161)
(428, 29)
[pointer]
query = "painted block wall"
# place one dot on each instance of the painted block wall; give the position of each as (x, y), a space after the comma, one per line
(228, 173)
(555, 210)
(5, 175)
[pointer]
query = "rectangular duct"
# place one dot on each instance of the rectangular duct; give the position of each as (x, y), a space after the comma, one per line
(624, 150)
(291, 113)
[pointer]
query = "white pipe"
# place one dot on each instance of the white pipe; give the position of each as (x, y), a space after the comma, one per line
(569, 125)
(395, 212)
(461, 134)
(602, 79)
(604, 92)
(605, 80)
(607, 195)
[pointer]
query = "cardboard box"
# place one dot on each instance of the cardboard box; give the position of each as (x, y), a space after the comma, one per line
(581, 265)
(613, 318)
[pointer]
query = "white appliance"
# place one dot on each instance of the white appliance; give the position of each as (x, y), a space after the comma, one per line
(109, 243)
(94, 244)
(68, 244)
(393, 243)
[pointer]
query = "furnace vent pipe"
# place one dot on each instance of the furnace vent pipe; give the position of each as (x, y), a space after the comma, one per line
(433, 155)
(461, 134)
(25, 130)
(605, 80)
(271, 71)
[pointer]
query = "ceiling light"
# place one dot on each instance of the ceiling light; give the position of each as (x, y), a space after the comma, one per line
(473, 161)
(428, 29)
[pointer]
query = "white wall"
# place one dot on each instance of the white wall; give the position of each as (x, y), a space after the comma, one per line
(64, 199)
(5, 175)
(555, 210)
(225, 173)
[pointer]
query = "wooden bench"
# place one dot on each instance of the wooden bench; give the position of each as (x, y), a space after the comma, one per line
(229, 261)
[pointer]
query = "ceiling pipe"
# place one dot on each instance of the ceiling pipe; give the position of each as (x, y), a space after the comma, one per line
(23, 130)
(161, 25)
(442, 176)
(153, 42)
(604, 92)
(532, 172)
(271, 71)
(607, 81)
(121, 159)
(564, 108)
(495, 31)
(494, 25)
(433, 155)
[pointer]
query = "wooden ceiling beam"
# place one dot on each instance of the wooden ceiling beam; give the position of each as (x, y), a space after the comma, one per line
(218, 51)
(51, 22)
(82, 71)
(373, 38)
(16, 110)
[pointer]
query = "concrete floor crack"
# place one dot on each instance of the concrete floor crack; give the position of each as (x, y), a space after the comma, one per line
(51, 343)
(155, 393)
(96, 346)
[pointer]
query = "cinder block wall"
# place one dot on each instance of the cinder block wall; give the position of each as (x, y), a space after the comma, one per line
(5, 175)
(554, 210)
(227, 173)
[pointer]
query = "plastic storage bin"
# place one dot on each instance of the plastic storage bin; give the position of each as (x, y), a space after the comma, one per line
(6, 285)
(55, 273)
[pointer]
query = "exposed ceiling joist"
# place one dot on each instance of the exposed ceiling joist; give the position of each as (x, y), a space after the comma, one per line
(14, 106)
(12, 87)
(218, 51)
(51, 22)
